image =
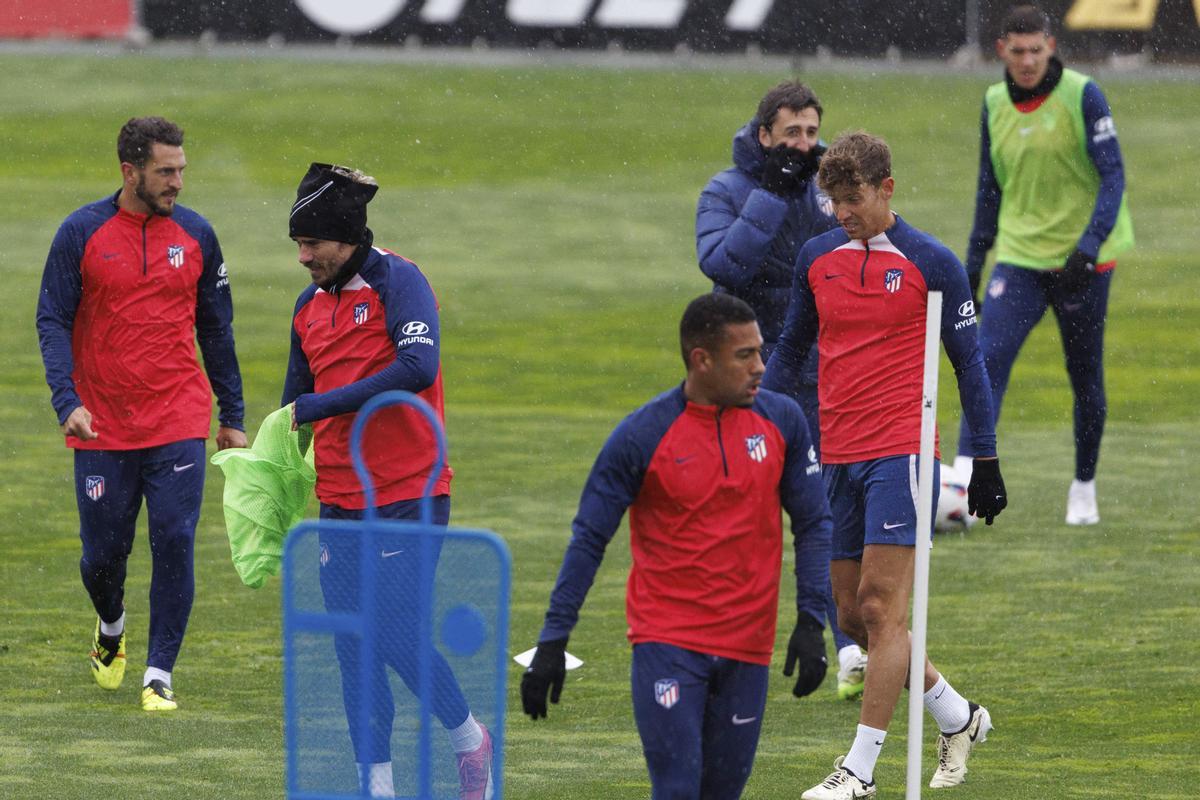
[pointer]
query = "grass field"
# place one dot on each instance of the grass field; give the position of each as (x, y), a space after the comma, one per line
(552, 209)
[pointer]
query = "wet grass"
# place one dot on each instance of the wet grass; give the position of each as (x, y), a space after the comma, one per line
(552, 210)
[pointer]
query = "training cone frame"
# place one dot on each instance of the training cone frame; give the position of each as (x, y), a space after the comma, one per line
(392, 629)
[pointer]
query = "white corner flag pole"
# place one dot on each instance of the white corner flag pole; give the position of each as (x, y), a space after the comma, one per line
(920, 598)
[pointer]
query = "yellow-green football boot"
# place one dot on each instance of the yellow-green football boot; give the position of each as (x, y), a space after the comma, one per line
(108, 664)
(157, 696)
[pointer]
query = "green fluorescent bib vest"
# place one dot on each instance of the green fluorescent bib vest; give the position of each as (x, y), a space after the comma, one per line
(267, 488)
(1047, 181)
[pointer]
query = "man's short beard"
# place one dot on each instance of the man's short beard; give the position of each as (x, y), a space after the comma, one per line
(150, 200)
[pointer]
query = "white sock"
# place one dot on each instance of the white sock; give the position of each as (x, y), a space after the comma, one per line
(864, 752)
(848, 655)
(156, 674)
(113, 629)
(948, 708)
(376, 779)
(467, 737)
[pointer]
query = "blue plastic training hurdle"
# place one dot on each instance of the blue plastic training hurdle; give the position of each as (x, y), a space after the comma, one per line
(462, 600)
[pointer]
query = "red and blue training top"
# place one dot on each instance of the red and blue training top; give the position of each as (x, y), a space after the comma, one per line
(864, 303)
(704, 487)
(125, 298)
(376, 332)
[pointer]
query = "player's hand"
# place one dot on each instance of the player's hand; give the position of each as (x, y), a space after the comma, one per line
(787, 169)
(545, 673)
(79, 425)
(986, 496)
(806, 648)
(1077, 272)
(230, 437)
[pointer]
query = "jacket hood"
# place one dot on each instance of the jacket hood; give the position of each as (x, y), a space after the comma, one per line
(748, 154)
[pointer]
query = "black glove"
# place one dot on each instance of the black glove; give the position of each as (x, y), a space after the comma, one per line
(1077, 272)
(986, 496)
(806, 647)
(545, 673)
(787, 170)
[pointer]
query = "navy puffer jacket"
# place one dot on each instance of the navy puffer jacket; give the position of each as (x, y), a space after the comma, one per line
(747, 238)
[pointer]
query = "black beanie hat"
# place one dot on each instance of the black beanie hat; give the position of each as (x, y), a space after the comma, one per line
(331, 203)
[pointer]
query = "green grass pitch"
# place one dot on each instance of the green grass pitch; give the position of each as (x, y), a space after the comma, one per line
(552, 210)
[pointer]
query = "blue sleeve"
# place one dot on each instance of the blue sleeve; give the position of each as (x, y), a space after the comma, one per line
(299, 378)
(62, 288)
(412, 323)
(214, 333)
(802, 493)
(958, 325)
(987, 203)
(786, 365)
(612, 486)
(1105, 153)
(732, 243)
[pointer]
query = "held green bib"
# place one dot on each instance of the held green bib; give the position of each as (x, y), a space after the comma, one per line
(1047, 181)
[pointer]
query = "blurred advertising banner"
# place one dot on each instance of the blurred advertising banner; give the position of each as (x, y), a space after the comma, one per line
(66, 19)
(1087, 29)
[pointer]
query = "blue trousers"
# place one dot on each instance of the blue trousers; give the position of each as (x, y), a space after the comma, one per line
(1016, 300)
(109, 488)
(699, 717)
(397, 631)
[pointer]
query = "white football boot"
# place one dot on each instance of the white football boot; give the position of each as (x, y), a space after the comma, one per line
(842, 784)
(954, 749)
(1081, 503)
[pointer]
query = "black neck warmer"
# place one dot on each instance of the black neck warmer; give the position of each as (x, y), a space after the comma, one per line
(1053, 75)
(353, 264)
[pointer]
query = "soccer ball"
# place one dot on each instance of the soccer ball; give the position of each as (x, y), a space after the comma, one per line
(952, 515)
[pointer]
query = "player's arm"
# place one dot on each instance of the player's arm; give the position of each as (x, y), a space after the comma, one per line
(407, 301)
(987, 208)
(732, 244)
(299, 378)
(958, 329)
(986, 493)
(214, 334)
(61, 291)
(611, 487)
(1105, 152)
(802, 494)
(799, 331)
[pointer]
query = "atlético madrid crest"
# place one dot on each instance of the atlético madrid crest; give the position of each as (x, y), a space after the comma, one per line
(666, 692)
(756, 446)
(93, 486)
(175, 255)
(892, 279)
(361, 312)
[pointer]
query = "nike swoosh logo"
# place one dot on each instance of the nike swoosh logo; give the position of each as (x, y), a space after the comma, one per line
(109, 256)
(178, 468)
(310, 324)
(888, 526)
(831, 277)
(1026, 131)
(685, 458)
(1072, 306)
(386, 554)
(742, 720)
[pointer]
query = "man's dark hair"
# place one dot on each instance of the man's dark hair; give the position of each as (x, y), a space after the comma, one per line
(855, 159)
(139, 134)
(705, 318)
(1025, 19)
(791, 95)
